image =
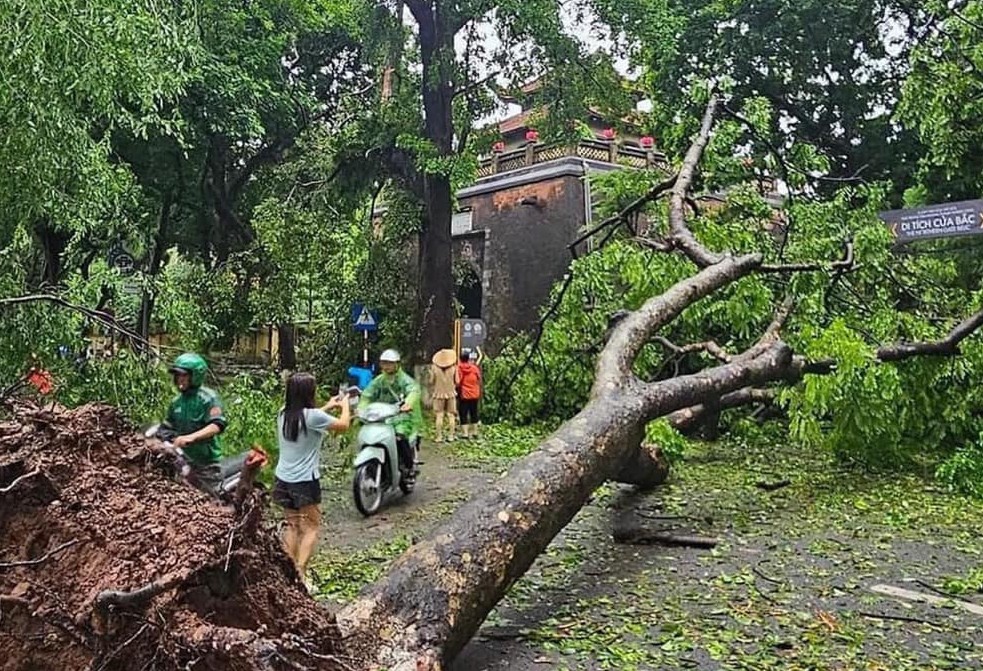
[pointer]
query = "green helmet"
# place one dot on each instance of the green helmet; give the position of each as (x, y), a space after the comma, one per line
(192, 364)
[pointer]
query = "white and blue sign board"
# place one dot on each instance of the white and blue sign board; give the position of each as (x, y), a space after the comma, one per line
(364, 318)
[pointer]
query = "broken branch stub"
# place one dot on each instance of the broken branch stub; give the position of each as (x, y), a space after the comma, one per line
(646, 467)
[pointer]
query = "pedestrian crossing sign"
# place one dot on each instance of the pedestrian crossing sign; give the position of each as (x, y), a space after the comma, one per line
(364, 318)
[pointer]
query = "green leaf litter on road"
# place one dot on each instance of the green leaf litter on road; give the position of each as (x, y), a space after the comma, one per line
(787, 587)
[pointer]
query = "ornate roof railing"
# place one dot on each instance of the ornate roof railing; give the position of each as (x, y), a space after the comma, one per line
(602, 151)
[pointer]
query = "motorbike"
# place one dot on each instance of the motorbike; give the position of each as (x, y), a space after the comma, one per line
(378, 469)
(237, 469)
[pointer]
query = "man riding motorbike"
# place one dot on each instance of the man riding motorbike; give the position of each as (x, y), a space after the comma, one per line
(197, 416)
(394, 386)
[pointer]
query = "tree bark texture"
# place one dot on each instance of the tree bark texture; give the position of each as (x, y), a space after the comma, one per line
(287, 351)
(646, 467)
(157, 252)
(436, 298)
(436, 282)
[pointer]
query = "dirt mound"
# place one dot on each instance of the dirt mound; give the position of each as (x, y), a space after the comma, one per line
(107, 564)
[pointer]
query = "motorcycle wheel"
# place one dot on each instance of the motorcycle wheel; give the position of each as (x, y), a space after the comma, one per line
(368, 497)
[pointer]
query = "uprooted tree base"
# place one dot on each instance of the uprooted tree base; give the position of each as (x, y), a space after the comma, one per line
(106, 564)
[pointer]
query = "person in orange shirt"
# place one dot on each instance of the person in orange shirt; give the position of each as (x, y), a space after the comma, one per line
(469, 389)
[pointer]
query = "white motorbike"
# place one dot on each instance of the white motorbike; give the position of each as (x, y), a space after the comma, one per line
(378, 469)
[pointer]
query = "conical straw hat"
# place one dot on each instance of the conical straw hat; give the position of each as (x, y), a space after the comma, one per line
(444, 358)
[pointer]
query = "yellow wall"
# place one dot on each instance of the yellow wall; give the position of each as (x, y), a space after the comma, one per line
(259, 345)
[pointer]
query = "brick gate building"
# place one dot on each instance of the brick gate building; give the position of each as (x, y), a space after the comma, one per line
(516, 222)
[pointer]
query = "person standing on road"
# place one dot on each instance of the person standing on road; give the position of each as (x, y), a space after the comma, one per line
(469, 387)
(444, 393)
(300, 430)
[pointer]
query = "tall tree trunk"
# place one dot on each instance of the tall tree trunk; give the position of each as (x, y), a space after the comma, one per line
(53, 244)
(436, 281)
(436, 301)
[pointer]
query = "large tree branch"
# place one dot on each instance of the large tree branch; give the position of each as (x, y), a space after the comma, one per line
(768, 365)
(420, 9)
(847, 263)
(101, 318)
(614, 366)
(268, 153)
(682, 237)
(683, 420)
(947, 346)
(271, 151)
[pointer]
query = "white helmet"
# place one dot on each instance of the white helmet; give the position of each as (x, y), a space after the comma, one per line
(390, 356)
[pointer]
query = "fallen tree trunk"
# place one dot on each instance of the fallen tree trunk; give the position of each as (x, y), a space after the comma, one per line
(244, 606)
(434, 597)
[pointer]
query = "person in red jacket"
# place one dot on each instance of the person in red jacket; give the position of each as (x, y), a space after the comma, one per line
(469, 390)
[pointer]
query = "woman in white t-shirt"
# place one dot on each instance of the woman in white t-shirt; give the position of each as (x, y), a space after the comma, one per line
(300, 430)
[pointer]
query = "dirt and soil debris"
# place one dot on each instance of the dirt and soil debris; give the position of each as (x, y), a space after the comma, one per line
(106, 563)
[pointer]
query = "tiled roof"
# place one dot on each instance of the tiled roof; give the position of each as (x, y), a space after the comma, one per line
(520, 121)
(514, 123)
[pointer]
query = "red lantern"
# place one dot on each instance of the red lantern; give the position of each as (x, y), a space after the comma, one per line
(532, 135)
(646, 141)
(608, 133)
(498, 147)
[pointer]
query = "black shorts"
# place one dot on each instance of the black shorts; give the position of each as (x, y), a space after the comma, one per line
(468, 411)
(296, 495)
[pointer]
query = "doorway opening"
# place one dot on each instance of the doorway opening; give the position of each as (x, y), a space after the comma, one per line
(468, 290)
